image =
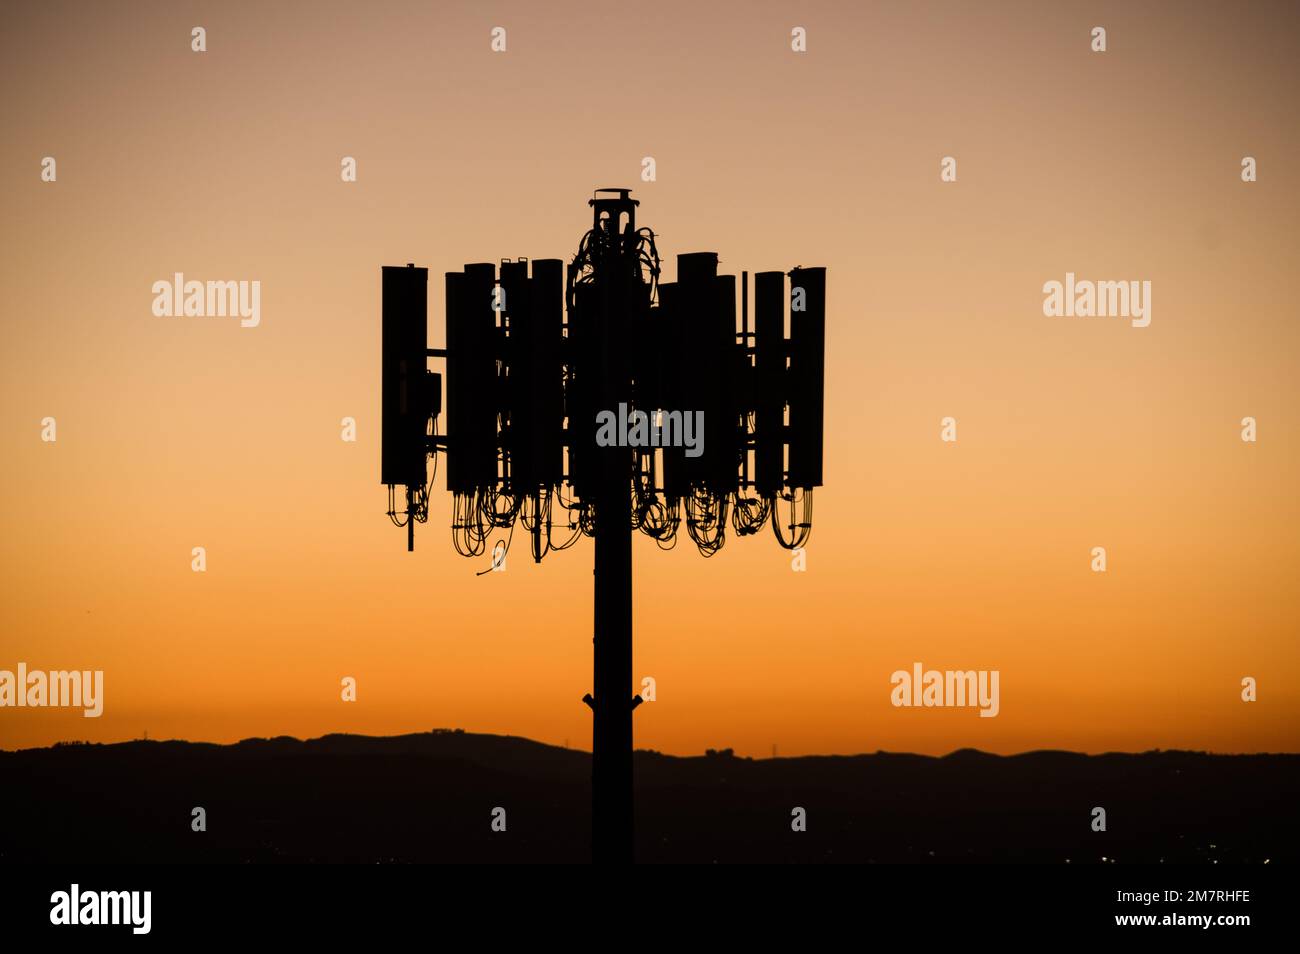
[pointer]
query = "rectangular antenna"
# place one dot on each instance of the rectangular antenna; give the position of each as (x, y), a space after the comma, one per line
(404, 401)
(517, 419)
(471, 379)
(807, 374)
(722, 410)
(546, 388)
(769, 383)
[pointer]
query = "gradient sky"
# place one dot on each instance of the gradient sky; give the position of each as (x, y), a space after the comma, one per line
(175, 433)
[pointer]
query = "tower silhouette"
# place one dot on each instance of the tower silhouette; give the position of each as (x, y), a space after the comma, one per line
(595, 400)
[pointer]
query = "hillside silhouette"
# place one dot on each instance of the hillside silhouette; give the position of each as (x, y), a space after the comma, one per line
(429, 798)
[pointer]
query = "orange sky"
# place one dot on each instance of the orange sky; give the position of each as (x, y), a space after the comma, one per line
(175, 433)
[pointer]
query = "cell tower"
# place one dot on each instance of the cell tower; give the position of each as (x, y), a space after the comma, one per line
(570, 391)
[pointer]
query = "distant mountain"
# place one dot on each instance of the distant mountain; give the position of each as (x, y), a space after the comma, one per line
(429, 797)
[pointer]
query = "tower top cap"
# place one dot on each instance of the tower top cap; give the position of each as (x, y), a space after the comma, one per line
(623, 196)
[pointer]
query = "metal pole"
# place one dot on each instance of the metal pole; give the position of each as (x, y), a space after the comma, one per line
(611, 767)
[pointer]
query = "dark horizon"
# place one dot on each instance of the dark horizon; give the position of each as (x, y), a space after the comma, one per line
(62, 743)
(434, 797)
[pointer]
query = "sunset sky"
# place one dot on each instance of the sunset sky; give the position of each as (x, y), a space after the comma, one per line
(1072, 433)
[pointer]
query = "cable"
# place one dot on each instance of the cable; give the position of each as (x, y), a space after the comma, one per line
(801, 527)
